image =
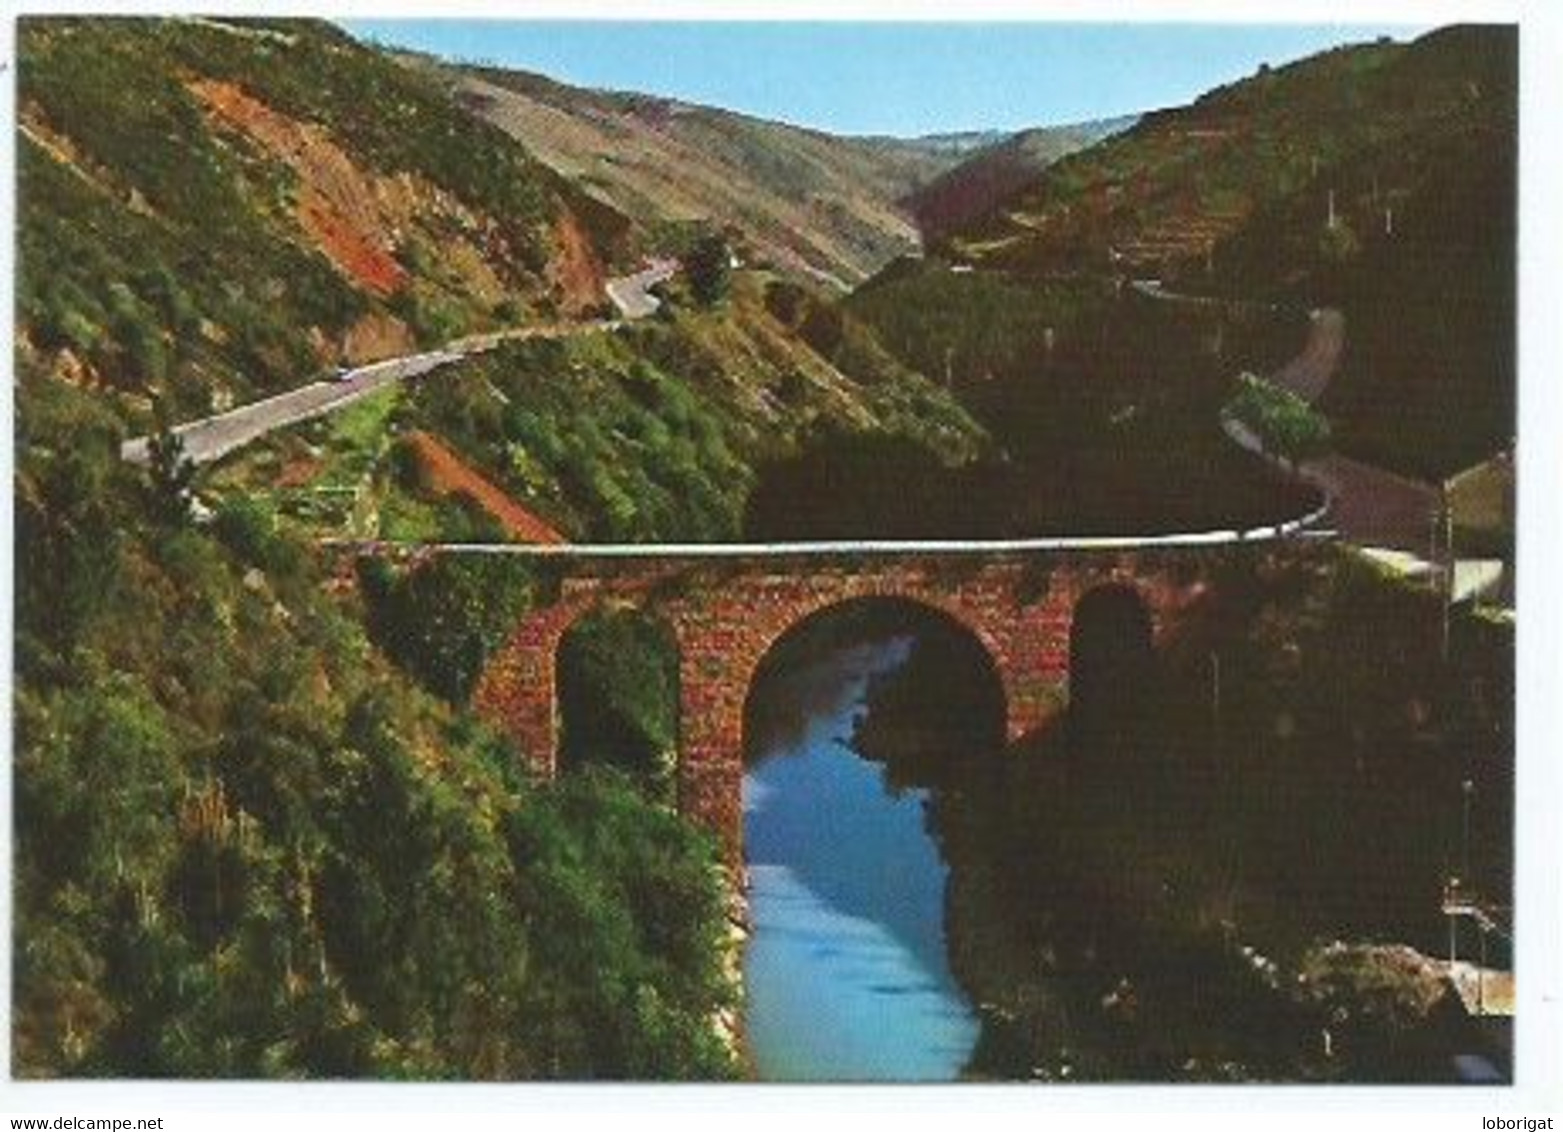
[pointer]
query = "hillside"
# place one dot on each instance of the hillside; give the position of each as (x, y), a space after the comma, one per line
(660, 431)
(216, 209)
(258, 836)
(274, 196)
(1378, 177)
(1420, 257)
(1159, 196)
(258, 833)
(997, 170)
(1102, 403)
(802, 199)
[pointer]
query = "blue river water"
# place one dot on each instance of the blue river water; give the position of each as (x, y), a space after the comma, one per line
(846, 973)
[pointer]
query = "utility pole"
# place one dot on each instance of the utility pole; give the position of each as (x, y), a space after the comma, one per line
(1439, 541)
(1481, 970)
(1467, 788)
(1215, 694)
(1446, 515)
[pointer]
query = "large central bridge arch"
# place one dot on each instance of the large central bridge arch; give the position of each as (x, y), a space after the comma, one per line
(977, 698)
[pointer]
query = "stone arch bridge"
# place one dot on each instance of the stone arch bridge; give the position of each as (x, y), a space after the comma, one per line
(727, 605)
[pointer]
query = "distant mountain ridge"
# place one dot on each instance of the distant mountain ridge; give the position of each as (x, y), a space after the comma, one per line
(803, 199)
(837, 207)
(998, 166)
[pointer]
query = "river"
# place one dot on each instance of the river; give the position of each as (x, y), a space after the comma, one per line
(846, 974)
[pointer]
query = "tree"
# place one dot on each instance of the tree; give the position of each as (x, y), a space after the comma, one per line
(170, 469)
(618, 696)
(1287, 425)
(442, 621)
(709, 267)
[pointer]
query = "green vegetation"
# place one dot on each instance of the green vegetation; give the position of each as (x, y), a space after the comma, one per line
(1161, 193)
(708, 268)
(100, 281)
(618, 697)
(1378, 178)
(601, 443)
(395, 119)
(657, 432)
(1105, 882)
(348, 474)
(163, 250)
(171, 471)
(258, 832)
(1103, 404)
(1421, 260)
(1286, 425)
(442, 621)
(972, 327)
(248, 846)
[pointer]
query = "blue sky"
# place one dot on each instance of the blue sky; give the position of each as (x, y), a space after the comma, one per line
(887, 78)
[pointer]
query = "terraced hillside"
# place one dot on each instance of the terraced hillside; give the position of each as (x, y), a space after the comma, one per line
(1379, 178)
(1158, 197)
(988, 177)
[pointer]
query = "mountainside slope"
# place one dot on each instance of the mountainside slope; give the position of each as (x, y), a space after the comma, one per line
(1379, 178)
(805, 200)
(1161, 194)
(991, 174)
(215, 209)
(1419, 252)
(663, 431)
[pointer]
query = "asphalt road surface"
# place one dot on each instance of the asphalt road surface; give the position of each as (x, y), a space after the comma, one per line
(632, 293)
(1369, 506)
(1310, 371)
(214, 437)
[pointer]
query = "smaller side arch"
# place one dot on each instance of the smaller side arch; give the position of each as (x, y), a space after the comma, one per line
(617, 687)
(1111, 659)
(518, 689)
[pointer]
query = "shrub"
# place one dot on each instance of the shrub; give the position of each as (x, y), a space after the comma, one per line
(1286, 424)
(708, 267)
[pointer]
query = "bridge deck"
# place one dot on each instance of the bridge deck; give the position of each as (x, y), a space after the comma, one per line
(1300, 528)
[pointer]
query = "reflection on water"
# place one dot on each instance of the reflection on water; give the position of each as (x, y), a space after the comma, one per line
(846, 973)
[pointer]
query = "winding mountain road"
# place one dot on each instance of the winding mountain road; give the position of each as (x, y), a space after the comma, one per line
(631, 294)
(212, 438)
(1369, 506)
(1310, 371)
